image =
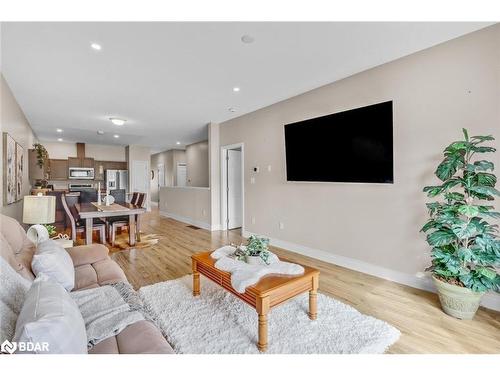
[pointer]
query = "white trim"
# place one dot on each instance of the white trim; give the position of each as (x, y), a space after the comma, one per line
(223, 201)
(187, 220)
(490, 300)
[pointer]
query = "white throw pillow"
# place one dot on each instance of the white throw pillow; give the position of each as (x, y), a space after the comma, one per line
(52, 260)
(50, 321)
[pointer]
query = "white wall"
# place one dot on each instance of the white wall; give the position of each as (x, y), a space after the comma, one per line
(374, 227)
(197, 164)
(15, 123)
(63, 150)
(139, 153)
(188, 204)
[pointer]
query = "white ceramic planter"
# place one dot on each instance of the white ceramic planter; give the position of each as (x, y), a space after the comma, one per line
(254, 260)
(459, 302)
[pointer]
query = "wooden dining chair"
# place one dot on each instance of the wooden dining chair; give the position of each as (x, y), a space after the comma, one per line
(78, 225)
(119, 222)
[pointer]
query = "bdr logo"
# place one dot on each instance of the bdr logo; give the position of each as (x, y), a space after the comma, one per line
(11, 347)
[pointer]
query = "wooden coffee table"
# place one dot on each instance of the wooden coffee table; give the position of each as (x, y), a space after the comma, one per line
(270, 291)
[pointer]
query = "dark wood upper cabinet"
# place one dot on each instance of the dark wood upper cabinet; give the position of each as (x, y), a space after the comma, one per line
(34, 171)
(87, 162)
(74, 162)
(58, 169)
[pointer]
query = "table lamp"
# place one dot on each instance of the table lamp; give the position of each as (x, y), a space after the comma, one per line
(39, 209)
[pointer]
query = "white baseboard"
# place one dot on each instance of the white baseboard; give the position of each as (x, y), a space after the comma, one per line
(490, 300)
(187, 220)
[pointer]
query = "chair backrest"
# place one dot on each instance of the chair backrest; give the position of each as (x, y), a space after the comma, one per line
(72, 214)
(141, 199)
(135, 195)
(60, 216)
(118, 194)
(88, 196)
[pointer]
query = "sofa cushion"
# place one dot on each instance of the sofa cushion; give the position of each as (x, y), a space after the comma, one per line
(52, 260)
(98, 273)
(20, 263)
(50, 316)
(139, 338)
(86, 254)
(14, 233)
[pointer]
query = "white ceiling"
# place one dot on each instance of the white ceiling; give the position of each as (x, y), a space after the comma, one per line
(170, 79)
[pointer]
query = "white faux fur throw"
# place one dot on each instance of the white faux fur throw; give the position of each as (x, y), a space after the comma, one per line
(244, 275)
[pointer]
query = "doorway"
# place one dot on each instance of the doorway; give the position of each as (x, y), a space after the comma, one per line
(232, 187)
(181, 174)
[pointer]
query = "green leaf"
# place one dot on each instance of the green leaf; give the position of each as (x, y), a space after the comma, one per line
(466, 135)
(465, 254)
(468, 210)
(464, 230)
(483, 138)
(486, 272)
(483, 149)
(449, 166)
(484, 190)
(486, 179)
(454, 196)
(441, 237)
(484, 165)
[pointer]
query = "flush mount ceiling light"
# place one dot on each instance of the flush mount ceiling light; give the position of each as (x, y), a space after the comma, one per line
(236, 89)
(177, 143)
(100, 132)
(117, 121)
(59, 130)
(247, 39)
(59, 139)
(116, 136)
(232, 109)
(96, 46)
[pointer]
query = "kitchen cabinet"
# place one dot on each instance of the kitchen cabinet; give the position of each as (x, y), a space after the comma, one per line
(80, 162)
(34, 171)
(58, 169)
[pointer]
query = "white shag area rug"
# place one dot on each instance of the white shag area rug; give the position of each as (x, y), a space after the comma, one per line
(216, 322)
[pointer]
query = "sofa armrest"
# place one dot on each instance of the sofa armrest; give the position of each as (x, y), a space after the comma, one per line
(87, 254)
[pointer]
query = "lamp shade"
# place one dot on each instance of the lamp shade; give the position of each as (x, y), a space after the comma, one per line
(39, 209)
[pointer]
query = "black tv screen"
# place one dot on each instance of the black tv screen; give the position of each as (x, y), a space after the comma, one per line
(349, 146)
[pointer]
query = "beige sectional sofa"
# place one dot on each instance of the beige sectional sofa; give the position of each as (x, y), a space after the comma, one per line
(93, 268)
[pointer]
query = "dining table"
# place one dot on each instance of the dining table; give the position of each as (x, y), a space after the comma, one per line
(91, 211)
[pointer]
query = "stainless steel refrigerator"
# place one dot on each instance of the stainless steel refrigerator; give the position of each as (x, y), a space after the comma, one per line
(117, 179)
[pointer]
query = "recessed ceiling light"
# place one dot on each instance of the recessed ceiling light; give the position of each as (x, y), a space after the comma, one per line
(96, 46)
(116, 136)
(247, 39)
(100, 132)
(117, 121)
(177, 143)
(236, 89)
(59, 130)
(232, 109)
(60, 139)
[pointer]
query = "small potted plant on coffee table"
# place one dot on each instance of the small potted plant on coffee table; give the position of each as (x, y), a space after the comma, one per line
(257, 250)
(465, 246)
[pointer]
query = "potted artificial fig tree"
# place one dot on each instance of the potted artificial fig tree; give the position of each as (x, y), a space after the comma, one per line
(461, 229)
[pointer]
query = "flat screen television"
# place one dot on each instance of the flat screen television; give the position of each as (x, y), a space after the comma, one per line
(349, 146)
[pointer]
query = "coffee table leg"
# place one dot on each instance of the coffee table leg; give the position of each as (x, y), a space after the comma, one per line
(262, 309)
(313, 303)
(196, 280)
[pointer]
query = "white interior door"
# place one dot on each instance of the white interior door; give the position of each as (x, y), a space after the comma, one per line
(181, 174)
(140, 176)
(234, 190)
(161, 175)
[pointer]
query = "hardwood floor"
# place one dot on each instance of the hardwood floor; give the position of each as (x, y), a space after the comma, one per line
(416, 313)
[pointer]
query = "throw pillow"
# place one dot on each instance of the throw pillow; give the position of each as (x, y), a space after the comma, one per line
(52, 260)
(50, 321)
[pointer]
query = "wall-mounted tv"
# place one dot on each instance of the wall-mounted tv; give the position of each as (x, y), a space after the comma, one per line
(349, 146)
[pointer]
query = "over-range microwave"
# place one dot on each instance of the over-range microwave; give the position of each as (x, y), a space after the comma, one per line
(81, 173)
